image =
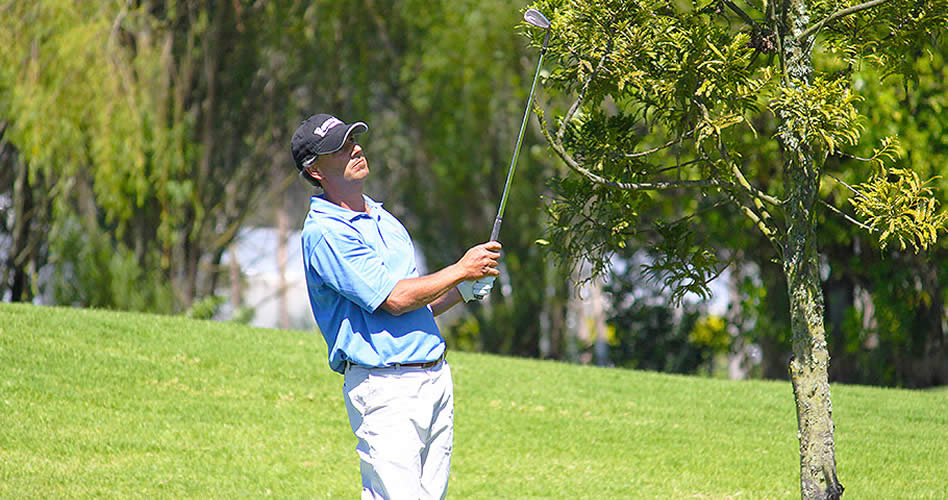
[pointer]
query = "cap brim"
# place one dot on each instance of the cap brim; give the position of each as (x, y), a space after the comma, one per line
(337, 137)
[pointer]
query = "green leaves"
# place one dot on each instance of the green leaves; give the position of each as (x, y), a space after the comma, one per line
(683, 265)
(132, 114)
(658, 86)
(590, 225)
(890, 35)
(822, 113)
(902, 208)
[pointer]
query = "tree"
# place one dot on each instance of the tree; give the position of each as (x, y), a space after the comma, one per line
(145, 122)
(650, 77)
(21, 248)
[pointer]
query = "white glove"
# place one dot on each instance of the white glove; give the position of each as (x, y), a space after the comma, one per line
(467, 290)
(483, 286)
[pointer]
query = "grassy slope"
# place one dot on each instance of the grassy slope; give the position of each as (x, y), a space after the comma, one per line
(117, 405)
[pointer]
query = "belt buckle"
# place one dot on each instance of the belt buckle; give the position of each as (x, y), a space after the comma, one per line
(432, 364)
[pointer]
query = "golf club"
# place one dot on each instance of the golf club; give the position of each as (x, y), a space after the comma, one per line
(537, 19)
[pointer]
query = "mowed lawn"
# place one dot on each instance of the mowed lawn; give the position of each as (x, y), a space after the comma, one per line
(97, 404)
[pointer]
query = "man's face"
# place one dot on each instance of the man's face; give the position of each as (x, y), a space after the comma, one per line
(344, 166)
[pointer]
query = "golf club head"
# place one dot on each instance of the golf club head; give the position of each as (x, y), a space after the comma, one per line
(537, 19)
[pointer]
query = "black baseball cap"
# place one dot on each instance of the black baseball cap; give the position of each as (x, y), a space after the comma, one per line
(319, 135)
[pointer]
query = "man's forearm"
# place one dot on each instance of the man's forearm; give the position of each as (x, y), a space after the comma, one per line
(446, 301)
(411, 293)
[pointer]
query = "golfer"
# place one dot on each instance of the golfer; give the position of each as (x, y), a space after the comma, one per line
(377, 316)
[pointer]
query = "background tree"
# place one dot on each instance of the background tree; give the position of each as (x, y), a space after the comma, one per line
(693, 74)
(887, 306)
(171, 122)
(130, 112)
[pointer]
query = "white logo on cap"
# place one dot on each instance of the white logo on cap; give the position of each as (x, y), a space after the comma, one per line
(323, 129)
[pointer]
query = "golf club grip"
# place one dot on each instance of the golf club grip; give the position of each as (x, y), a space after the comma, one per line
(494, 233)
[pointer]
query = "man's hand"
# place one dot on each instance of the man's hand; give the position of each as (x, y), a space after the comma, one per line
(480, 261)
(479, 267)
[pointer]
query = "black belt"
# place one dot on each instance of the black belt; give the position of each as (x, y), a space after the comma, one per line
(429, 364)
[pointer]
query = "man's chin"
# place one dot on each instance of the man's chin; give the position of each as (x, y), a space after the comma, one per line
(359, 174)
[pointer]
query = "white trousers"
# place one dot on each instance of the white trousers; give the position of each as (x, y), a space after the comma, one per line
(403, 418)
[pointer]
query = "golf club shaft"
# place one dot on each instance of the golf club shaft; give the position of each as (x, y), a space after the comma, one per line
(495, 232)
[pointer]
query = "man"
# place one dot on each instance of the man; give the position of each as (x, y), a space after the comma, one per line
(377, 316)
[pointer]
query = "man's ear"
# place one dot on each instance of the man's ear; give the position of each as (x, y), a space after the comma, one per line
(313, 172)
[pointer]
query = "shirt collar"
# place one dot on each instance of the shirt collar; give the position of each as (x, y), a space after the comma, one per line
(318, 203)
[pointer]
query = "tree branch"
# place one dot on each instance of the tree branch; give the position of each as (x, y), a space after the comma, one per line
(848, 218)
(768, 230)
(837, 179)
(838, 14)
(675, 167)
(740, 12)
(745, 184)
(763, 221)
(598, 179)
(659, 148)
(582, 93)
(854, 157)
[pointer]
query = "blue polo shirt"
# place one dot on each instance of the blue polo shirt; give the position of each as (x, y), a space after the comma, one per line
(352, 262)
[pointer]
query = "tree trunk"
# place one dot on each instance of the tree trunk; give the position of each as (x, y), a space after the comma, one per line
(24, 212)
(601, 349)
(809, 366)
(282, 296)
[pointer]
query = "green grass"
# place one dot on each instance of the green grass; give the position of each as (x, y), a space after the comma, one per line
(97, 404)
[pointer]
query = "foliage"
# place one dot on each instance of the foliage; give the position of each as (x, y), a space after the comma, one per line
(90, 272)
(681, 265)
(607, 208)
(895, 335)
(866, 288)
(206, 308)
(889, 36)
(659, 82)
(900, 206)
(711, 332)
(137, 158)
(821, 113)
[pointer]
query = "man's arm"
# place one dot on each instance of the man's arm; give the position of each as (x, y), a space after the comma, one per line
(446, 301)
(411, 293)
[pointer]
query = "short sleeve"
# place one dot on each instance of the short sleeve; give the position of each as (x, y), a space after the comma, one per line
(353, 269)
